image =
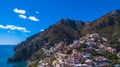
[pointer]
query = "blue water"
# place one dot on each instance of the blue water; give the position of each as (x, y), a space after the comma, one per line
(6, 51)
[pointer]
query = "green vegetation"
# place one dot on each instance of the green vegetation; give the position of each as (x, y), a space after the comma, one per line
(81, 50)
(83, 45)
(113, 57)
(34, 65)
(52, 59)
(94, 53)
(67, 51)
(38, 55)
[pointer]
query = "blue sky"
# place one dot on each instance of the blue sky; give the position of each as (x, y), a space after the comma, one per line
(20, 19)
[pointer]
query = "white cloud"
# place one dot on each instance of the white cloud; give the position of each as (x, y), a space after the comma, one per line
(37, 12)
(10, 31)
(33, 18)
(25, 35)
(42, 30)
(12, 27)
(22, 16)
(19, 11)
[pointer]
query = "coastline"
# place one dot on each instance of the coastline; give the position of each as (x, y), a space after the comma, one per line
(6, 52)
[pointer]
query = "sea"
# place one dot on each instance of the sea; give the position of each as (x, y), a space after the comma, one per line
(7, 51)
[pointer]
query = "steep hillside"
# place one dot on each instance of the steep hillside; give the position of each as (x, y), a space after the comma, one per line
(107, 24)
(65, 30)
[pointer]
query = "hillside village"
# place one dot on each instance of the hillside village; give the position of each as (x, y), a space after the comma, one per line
(91, 50)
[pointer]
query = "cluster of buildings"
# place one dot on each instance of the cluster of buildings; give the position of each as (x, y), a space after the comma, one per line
(79, 56)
